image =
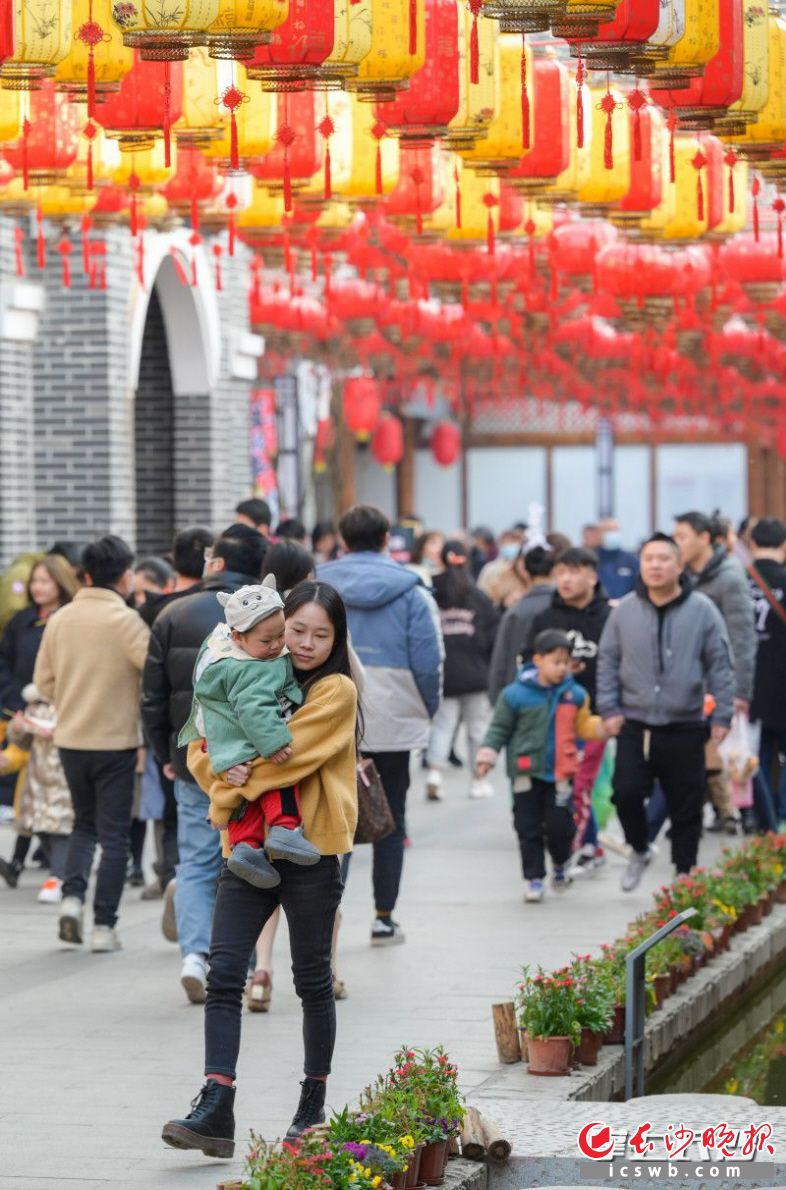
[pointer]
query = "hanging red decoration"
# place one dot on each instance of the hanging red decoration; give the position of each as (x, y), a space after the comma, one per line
(490, 201)
(672, 127)
(755, 191)
(19, 239)
(445, 443)
(64, 248)
(145, 103)
(217, 257)
(387, 443)
(779, 206)
(475, 7)
(525, 113)
(421, 112)
(608, 105)
(40, 241)
(580, 76)
(231, 99)
(362, 406)
(295, 57)
(698, 161)
(730, 158)
(91, 34)
(549, 153)
(637, 101)
(326, 128)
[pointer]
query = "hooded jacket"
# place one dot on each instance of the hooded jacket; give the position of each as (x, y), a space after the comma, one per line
(656, 664)
(539, 725)
(395, 632)
(724, 582)
(167, 682)
(513, 635)
(584, 626)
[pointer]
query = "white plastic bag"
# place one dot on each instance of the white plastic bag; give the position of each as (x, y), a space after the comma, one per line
(739, 753)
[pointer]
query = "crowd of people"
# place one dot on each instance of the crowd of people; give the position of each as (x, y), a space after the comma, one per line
(225, 692)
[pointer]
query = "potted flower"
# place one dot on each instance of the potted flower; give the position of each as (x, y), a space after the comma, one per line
(547, 1010)
(594, 1006)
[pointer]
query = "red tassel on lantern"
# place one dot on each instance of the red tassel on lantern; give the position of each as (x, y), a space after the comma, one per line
(779, 206)
(194, 240)
(580, 75)
(524, 95)
(529, 229)
(636, 101)
(730, 158)
(257, 264)
(19, 239)
(607, 105)
(90, 131)
(40, 242)
(475, 7)
(217, 256)
(231, 98)
(378, 131)
(328, 274)
(413, 26)
(167, 121)
(287, 252)
(90, 34)
(490, 201)
(64, 248)
(231, 204)
(326, 129)
(755, 190)
(85, 226)
(698, 162)
(457, 182)
(140, 260)
(25, 165)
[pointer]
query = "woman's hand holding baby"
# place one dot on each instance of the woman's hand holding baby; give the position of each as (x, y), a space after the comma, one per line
(282, 756)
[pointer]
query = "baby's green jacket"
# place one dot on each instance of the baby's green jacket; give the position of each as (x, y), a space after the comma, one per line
(239, 702)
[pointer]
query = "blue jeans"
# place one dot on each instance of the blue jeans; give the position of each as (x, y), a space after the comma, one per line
(197, 873)
(773, 740)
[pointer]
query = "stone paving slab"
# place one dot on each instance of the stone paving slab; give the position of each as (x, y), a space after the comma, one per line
(99, 1050)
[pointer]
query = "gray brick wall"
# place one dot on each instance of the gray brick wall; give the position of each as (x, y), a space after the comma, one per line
(80, 452)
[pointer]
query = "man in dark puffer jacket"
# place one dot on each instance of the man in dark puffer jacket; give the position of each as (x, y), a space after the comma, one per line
(178, 632)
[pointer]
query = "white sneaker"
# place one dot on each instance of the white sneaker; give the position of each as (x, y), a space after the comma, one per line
(70, 923)
(480, 787)
(638, 862)
(434, 786)
(534, 892)
(104, 940)
(51, 891)
(193, 976)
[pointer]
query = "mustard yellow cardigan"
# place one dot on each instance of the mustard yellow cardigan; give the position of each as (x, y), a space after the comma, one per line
(323, 764)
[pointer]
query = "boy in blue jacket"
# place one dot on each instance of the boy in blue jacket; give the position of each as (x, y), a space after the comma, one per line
(538, 718)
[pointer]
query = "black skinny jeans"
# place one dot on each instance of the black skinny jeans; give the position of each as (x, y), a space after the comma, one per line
(674, 756)
(309, 898)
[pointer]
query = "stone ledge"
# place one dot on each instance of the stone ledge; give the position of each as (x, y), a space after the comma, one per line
(460, 1175)
(751, 958)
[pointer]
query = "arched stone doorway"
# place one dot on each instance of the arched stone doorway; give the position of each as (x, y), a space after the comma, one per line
(154, 444)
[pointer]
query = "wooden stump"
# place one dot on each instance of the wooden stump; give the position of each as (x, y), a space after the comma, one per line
(506, 1032)
(473, 1141)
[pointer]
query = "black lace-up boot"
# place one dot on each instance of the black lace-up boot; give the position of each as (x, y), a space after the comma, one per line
(209, 1126)
(310, 1110)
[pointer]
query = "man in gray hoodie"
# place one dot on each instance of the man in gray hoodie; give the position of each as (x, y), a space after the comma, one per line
(663, 648)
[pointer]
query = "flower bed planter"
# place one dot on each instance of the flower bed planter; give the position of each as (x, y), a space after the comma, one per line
(549, 1056)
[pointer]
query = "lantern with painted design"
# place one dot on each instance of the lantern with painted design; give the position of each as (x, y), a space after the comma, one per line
(550, 150)
(49, 142)
(398, 49)
(431, 101)
(97, 60)
(507, 137)
(478, 93)
(706, 99)
(295, 55)
(35, 35)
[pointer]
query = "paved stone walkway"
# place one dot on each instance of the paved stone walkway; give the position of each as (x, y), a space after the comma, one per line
(98, 1050)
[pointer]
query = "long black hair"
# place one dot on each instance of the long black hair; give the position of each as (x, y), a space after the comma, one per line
(338, 661)
(454, 587)
(289, 562)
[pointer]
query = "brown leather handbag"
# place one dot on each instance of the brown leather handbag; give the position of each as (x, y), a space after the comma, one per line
(375, 820)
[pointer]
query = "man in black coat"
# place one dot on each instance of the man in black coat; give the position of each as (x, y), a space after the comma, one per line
(580, 608)
(234, 561)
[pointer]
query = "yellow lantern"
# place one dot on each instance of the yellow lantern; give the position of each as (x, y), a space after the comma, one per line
(736, 220)
(202, 120)
(162, 33)
(677, 216)
(538, 220)
(767, 134)
(478, 102)
(10, 117)
(255, 120)
(375, 160)
(241, 25)
(149, 166)
(96, 36)
(699, 43)
(566, 185)
(503, 144)
(41, 33)
(105, 161)
(265, 212)
(338, 107)
(608, 177)
(352, 24)
(756, 69)
(391, 60)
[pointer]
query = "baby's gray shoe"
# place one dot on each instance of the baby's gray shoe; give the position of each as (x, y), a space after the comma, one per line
(251, 864)
(282, 843)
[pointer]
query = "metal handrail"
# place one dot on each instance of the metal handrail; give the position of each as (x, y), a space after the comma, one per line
(636, 1003)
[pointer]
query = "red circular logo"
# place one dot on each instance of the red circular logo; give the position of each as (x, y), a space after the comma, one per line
(596, 1141)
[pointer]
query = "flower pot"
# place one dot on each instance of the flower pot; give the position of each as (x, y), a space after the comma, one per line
(549, 1055)
(766, 904)
(412, 1180)
(780, 893)
(523, 1044)
(662, 988)
(616, 1034)
(757, 913)
(432, 1163)
(589, 1047)
(399, 1181)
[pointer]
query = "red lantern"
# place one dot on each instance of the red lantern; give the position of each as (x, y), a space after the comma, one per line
(196, 181)
(707, 98)
(780, 443)
(550, 151)
(49, 142)
(362, 406)
(646, 171)
(297, 50)
(324, 441)
(574, 246)
(445, 443)
(423, 111)
(300, 150)
(147, 104)
(387, 445)
(618, 41)
(419, 190)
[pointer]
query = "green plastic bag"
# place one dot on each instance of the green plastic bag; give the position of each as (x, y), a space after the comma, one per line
(602, 790)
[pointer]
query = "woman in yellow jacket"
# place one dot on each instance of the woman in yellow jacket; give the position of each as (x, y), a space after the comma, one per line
(324, 734)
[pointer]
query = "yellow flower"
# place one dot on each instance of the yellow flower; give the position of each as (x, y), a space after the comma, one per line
(731, 1086)
(407, 1141)
(376, 1182)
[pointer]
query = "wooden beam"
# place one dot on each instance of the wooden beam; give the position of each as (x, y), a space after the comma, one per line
(405, 472)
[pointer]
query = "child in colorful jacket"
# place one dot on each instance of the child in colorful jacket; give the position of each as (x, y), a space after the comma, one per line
(538, 718)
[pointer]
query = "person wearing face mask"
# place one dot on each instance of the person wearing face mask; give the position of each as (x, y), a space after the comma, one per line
(617, 568)
(505, 580)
